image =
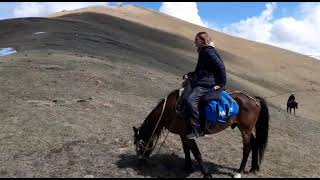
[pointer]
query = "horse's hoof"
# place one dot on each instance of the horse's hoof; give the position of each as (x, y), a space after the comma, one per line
(237, 175)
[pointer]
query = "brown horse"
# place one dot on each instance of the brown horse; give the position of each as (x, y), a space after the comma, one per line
(254, 114)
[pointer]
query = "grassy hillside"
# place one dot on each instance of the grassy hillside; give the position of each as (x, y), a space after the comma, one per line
(71, 96)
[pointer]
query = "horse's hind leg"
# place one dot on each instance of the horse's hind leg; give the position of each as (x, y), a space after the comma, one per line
(196, 153)
(188, 163)
(254, 162)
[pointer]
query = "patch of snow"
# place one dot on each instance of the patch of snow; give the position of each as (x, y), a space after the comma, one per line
(7, 51)
(39, 32)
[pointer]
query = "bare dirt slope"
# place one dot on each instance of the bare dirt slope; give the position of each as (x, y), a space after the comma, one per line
(70, 96)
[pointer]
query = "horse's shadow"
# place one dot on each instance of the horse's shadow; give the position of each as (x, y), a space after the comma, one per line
(168, 165)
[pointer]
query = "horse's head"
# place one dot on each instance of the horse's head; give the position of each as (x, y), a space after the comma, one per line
(147, 135)
(141, 140)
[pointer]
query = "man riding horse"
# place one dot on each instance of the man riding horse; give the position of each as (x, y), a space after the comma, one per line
(209, 75)
(291, 103)
(209, 78)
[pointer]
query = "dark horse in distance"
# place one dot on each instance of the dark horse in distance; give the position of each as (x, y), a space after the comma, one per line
(292, 105)
(254, 115)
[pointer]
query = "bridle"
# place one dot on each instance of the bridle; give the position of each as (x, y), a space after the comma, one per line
(142, 143)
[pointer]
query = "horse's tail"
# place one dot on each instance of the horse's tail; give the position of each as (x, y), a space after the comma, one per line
(262, 128)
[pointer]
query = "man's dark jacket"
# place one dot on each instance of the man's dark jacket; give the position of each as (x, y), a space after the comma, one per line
(210, 70)
(291, 98)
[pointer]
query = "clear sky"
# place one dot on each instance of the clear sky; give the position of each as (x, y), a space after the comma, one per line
(290, 25)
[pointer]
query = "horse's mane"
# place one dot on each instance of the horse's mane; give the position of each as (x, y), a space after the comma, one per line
(151, 120)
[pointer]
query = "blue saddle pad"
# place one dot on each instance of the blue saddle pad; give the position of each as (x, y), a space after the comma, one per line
(221, 110)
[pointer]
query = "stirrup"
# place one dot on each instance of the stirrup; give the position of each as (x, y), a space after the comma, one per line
(196, 132)
(191, 136)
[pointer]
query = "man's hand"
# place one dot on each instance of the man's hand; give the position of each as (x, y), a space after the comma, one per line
(184, 77)
(216, 87)
(188, 75)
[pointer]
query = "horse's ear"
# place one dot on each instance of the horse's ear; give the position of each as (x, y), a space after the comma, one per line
(135, 130)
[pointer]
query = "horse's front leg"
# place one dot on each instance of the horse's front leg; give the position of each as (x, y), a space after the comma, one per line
(196, 153)
(294, 111)
(188, 163)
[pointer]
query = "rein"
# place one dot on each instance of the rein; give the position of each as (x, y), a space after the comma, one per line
(146, 147)
(255, 100)
(180, 92)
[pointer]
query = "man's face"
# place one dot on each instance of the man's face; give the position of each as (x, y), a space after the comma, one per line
(197, 41)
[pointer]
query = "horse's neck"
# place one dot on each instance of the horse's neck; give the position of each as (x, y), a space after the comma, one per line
(153, 121)
(158, 119)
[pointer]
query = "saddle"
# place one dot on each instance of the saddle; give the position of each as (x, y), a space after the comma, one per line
(222, 109)
(215, 107)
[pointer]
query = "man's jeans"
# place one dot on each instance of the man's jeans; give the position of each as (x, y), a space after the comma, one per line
(191, 99)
